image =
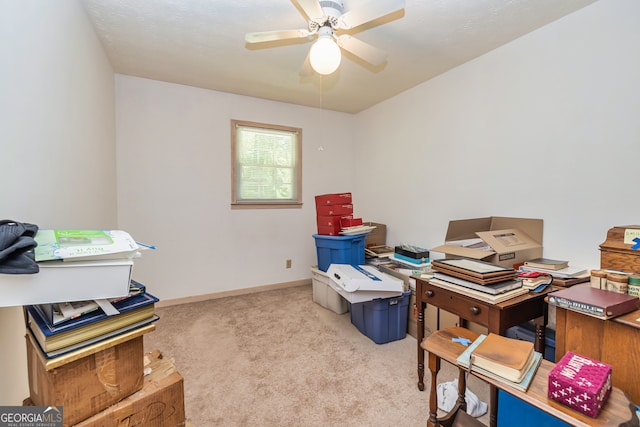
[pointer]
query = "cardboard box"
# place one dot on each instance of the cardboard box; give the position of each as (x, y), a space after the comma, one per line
(160, 402)
(377, 236)
(504, 241)
(333, 199)
(350, 222)
(62, 281)
(331, 210)
(87, 385)
(329, 230)
(331, 220)
(580, 383)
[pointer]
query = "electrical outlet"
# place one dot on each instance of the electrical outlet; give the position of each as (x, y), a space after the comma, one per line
(288, 263)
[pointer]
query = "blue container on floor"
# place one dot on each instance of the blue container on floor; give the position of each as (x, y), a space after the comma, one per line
(515, 412)
(339, 250)
(526, 332)
(382, 319)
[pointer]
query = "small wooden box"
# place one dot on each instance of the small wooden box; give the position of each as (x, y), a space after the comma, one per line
(87, 385)
(616, 252)
(160, 403)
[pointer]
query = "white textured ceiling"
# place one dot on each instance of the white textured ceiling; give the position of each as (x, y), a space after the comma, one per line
(201, 43)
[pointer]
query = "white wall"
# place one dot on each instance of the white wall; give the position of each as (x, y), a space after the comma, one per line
(57, 146)
(556, 109)
(174, 191)
(544, 127)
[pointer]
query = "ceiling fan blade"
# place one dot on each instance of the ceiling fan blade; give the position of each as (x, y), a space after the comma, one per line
(372, 55)
(267, 36)
(369, 11)
(313, 10)
(306, 69)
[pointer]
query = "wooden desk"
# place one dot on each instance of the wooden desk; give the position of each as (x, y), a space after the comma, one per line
(618, 410)
(497, 318)
(615, 341)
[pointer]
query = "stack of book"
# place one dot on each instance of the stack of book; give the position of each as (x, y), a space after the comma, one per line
(508, 360)
(61, 328)
(84, 331)
(485, 281)
(563, 274)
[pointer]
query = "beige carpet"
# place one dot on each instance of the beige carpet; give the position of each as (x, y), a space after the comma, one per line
(276, 358)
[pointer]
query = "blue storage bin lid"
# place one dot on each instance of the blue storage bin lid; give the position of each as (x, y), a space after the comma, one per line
(352, 237)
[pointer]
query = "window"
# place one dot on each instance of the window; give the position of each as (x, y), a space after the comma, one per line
(266, 165)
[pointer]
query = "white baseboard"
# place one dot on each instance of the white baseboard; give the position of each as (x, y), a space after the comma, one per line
(235, 292)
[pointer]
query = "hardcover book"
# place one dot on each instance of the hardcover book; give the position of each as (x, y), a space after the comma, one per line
(480, 272)
(547, 263)
(581, 383)
(492, 289)
(482, 296)
(146, 325)
(523, 385)
(53, 337)
(508, 358)
(594, 302)
(563, 273)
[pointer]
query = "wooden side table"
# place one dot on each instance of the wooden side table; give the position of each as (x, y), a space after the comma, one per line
(497, 318)
(618, 410)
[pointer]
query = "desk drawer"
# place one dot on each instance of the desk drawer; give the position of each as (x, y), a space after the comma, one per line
(453, 302)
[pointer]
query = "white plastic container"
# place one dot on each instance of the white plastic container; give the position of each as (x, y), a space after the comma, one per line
(325, 295)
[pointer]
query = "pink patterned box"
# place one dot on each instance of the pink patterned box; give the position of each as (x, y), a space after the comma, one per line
(580, 383)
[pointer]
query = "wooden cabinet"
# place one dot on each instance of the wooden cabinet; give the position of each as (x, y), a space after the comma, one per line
(615, 342)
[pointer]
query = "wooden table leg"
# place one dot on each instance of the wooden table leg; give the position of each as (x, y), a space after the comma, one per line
(462, 390)
(434, 367)
(420, 336)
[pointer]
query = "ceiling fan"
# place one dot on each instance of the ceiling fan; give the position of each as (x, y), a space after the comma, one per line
(325, 21)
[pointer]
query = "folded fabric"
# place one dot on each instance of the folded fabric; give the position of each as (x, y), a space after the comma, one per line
(16, 247)
(448, 396)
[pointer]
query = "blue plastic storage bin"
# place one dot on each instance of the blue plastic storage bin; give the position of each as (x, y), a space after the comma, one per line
(526, 332)
(339, 250)
(515, 412)
(383, 319)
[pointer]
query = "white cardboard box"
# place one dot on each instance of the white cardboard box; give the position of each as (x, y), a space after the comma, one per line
(61, 281)
(363, 283)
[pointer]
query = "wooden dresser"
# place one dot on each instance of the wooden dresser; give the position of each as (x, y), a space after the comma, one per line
(615, 341)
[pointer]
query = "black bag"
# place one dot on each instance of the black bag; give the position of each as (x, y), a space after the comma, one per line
(16, 247)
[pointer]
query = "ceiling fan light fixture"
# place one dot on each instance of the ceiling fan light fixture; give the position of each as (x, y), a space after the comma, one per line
(325, 55)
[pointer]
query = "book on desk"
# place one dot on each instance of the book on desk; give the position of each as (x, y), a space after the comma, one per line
(511, 361)
(594, 302)
(482, 296)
